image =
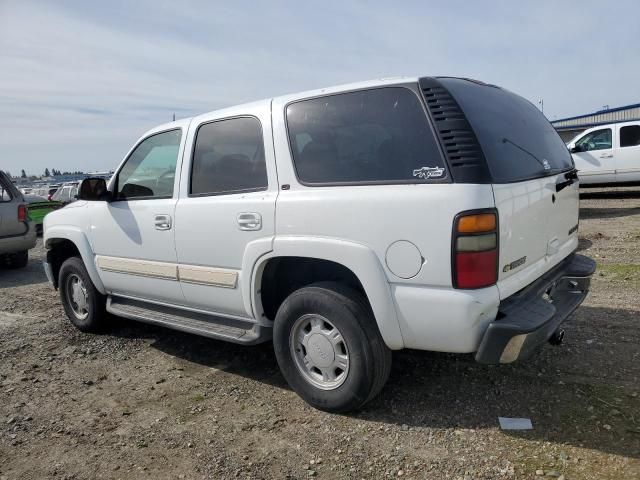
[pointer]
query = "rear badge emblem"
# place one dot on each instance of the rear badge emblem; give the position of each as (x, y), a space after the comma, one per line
(515, 264)
(545, 164)
(428, 172)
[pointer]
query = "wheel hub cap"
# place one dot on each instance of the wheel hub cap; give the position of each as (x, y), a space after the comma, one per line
(319, 351)
(77, 296)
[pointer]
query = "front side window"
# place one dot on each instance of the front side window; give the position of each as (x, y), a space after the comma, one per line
(378, 135)
(228, 157)
(150, 170)
(597, 140)
(630, 136)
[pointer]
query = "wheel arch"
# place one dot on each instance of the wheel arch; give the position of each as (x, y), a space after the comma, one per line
(354, 263)
(64, 243)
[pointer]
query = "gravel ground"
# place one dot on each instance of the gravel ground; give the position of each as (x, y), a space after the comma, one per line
(146, 402)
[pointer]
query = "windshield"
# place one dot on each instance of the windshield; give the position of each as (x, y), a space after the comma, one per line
(518, 141)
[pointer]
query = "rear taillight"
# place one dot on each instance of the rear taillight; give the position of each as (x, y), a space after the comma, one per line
(475, 249)
(22, 213)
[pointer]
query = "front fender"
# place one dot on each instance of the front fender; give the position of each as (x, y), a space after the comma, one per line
(358, 258)
(80, 240)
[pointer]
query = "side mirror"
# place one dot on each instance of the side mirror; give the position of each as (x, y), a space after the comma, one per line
(93, 190)
(574, 149)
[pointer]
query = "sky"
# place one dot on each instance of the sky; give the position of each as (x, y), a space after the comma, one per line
(81, 81)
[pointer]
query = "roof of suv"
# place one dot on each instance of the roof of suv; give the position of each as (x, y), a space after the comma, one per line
(292, 97)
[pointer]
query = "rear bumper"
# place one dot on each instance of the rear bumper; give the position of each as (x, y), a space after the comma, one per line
(528, 318)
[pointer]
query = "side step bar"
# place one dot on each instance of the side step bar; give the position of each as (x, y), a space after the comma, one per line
(206, 325)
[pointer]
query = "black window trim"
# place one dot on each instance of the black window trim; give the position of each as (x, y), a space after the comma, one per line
(407, 86)
(226, 192)
(116, 175)
(636, 125)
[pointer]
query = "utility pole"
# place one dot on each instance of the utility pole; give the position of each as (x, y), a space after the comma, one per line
(174, 117)
(541, 103)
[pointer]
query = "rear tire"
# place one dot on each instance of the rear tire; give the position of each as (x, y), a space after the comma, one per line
(329, 348)
(18, 259)
(84, 305)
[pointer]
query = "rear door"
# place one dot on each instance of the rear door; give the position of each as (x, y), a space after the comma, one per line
(595, 156)
(225, 213)
(628, 153)
(527, 161)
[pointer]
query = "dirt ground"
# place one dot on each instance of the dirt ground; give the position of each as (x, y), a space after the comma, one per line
(146, 402)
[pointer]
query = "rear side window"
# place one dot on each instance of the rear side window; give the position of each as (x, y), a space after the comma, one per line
(630, 136)
(517, 140)
(596, 140)
(5, 195)
(228, 157)
(379, 135)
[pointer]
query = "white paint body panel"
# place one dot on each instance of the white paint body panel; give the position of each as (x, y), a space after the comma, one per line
(627, 158)
(534, 226)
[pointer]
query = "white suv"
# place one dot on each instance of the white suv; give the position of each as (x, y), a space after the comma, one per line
(343, 223)
(608, 154)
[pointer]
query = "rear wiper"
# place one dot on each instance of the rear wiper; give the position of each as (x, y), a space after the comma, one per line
(570, 177)
(544, 164)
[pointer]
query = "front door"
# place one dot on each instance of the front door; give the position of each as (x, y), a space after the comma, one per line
(225, 214)
(595, 158)
(133, 235)
(628, 154)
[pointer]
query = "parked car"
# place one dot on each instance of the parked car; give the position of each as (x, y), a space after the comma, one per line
(66, 193)
(340, 224)
(46, 191)
(608, 154)
(38, 208)
(17, 230)
(52, 191)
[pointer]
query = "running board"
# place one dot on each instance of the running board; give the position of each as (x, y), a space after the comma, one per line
(206, 325)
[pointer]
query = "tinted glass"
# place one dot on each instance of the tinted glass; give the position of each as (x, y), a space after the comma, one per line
(150, 169)
(379, 135)
(5, 195)
(229, 158)
(597, 140)
(630, 136)
(517, 140)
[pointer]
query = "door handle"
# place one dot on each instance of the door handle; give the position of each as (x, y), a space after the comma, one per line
(606, 155)
(162, 222)
(249, 221)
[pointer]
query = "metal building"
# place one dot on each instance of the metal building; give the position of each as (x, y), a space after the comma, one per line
(572, 126)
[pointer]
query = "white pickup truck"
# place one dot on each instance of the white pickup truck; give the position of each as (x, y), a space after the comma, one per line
(608, 154)
(430, 213)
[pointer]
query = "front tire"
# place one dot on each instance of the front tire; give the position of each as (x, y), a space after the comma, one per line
(83, 304)
(329, 348)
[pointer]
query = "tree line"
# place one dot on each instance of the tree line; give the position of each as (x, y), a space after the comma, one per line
(48, 173)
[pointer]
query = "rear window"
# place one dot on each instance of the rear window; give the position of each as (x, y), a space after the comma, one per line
(630, 136)
(380, 135)
(229, 157)
(5, 195)
(517, 140)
